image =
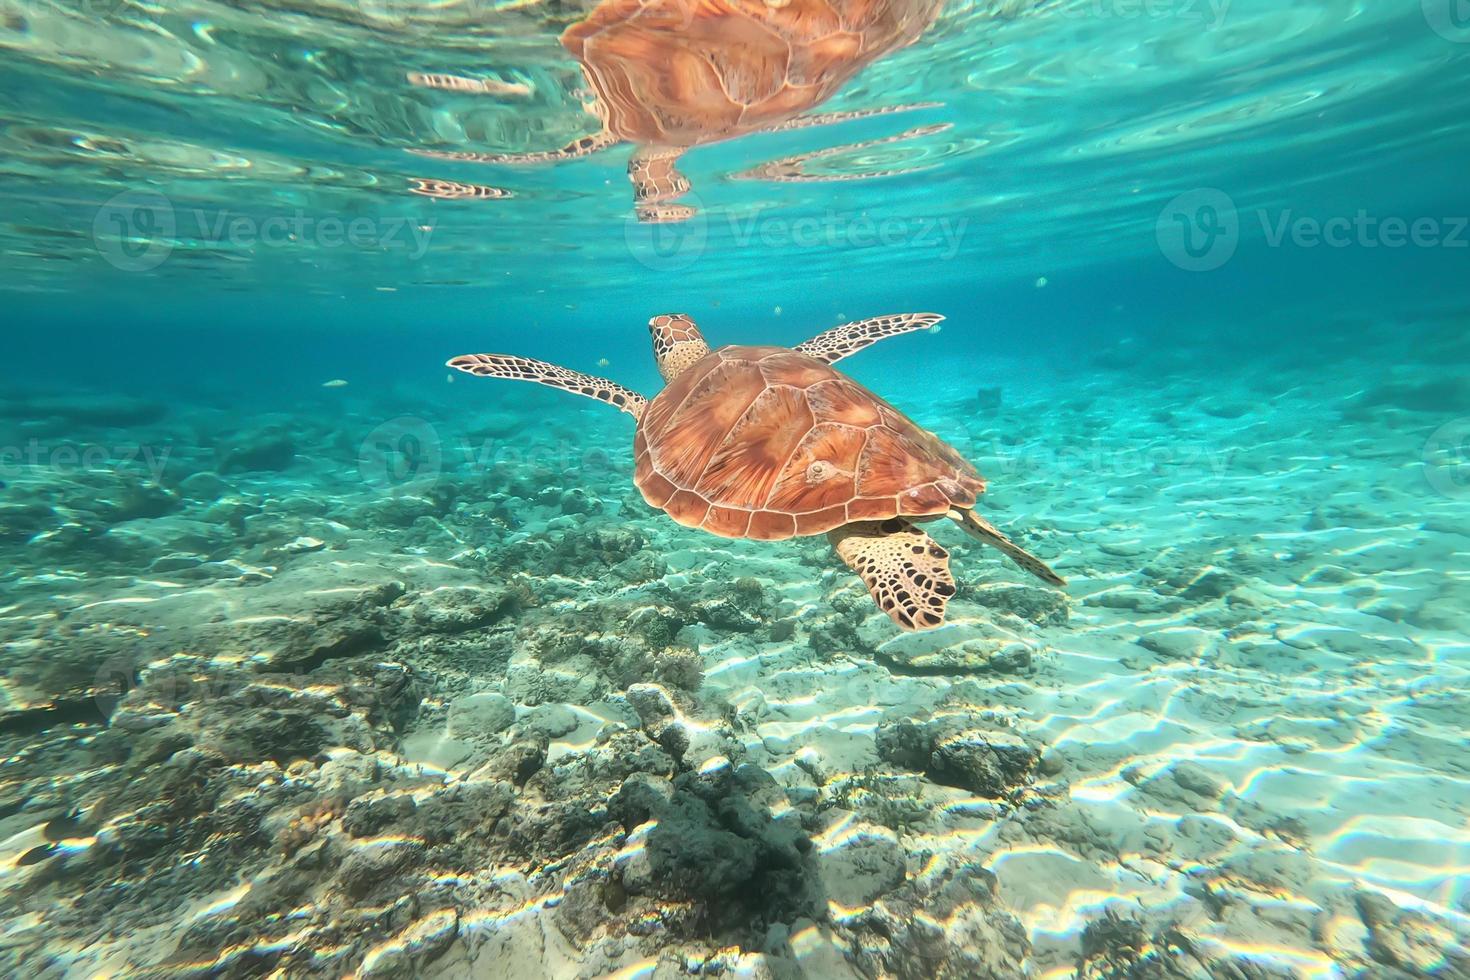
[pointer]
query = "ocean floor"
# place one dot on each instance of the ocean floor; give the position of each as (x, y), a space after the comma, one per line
(366, 685)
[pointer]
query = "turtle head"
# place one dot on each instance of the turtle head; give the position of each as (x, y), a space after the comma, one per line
(677, 344)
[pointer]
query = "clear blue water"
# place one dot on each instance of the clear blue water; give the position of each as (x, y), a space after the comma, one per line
(1204, 272)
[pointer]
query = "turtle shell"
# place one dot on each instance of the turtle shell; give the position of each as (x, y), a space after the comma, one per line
(767, 443)
(683, 72)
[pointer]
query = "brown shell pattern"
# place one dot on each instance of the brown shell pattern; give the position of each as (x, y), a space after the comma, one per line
(766, 443)
(683, 72)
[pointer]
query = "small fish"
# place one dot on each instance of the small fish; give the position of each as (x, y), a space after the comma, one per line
(334, 383)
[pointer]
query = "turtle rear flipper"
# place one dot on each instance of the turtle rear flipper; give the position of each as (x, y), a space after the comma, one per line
(983, 531)
(526, 369)
(905, 570)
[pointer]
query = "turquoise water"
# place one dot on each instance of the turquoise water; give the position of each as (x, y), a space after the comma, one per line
(320, 658)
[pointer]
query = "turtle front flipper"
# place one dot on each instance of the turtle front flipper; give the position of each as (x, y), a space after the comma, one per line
(833, 345)
(526, 369)
(906, 572)
(982, 530)
(657, 183)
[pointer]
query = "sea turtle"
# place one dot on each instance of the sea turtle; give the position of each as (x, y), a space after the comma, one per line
(667, 75)
(771, 443)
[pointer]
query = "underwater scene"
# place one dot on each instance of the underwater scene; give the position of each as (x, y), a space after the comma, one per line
(758, 489)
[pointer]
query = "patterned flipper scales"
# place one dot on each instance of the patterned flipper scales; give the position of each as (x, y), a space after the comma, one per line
(906, 572)
(833, 345)
(526, 369)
